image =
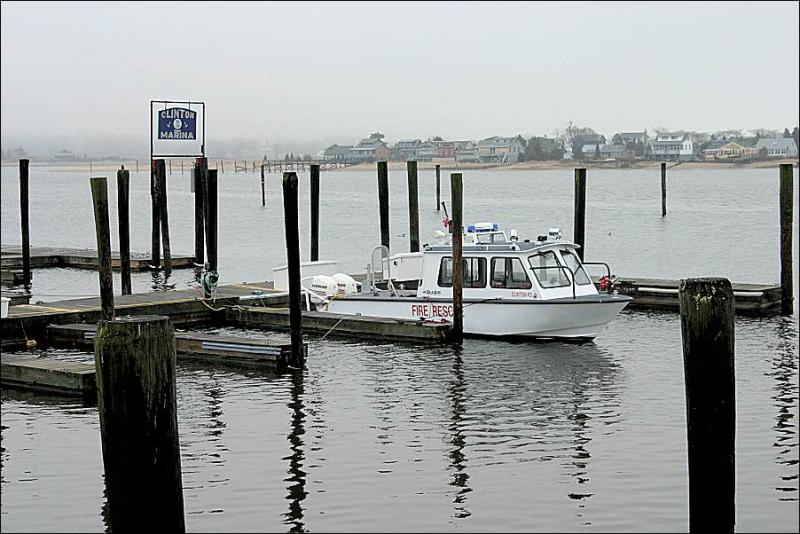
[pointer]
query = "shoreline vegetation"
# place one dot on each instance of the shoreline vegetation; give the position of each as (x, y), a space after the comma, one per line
(446, 165)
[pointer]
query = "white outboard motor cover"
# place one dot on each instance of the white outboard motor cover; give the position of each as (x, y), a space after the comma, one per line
(323, 285)
(345, 284)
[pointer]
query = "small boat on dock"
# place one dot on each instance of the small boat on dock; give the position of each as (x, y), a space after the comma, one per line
(531, 288)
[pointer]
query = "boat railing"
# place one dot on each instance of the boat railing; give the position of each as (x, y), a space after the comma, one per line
(604, 264)
(385, 268)
(570, 276)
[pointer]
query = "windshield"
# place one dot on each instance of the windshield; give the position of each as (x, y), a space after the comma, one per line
(548, 270)
(574, 264)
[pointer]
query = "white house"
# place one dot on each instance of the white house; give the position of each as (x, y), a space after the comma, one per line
(677, 146)
(499, 149)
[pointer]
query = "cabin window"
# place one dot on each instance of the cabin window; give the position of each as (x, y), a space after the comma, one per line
(548, 270)
(474, 272)
(574, 264)
(509, 273)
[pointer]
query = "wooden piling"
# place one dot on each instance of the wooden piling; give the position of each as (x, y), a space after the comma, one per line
(199, 177)
(413, 206)
(663, 189)
(438, 188)
(456, 197)
(383, 201)
(136, 391)
(290, 218)
(25, 221)
(314, 174)
(786, 216)
(580, 211)
(161, 178)
(103, 232)
(155, 236)
(123, 217)
(210, 200)
(707, 329)
(263, 192)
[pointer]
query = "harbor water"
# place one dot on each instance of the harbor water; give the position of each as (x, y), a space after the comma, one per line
(379, 436)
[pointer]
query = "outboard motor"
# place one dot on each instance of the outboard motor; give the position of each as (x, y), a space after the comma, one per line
(345, 284)
(322, 286)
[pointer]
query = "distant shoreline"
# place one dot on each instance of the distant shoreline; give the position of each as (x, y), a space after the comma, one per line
(446, 165)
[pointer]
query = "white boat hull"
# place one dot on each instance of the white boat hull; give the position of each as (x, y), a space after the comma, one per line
(561, 319)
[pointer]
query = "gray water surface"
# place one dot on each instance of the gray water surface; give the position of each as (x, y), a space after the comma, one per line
(374, 436)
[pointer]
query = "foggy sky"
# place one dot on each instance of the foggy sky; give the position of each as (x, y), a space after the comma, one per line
(342, 70)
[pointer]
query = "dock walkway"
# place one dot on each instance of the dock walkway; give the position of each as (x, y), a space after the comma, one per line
(47, 257)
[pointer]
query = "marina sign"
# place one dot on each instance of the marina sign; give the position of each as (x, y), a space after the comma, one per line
(177, 124)
(177, 129)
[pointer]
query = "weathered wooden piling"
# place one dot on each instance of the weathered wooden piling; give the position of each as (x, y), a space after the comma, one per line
(663, 189)
(707, 328)
(383, 201)
(263, 191)
(210, 192)
(580, 211)
(135, 370)
(24, 221)
(199, 177)
(155, 236)
(413, 207)
(314, 177)
(103, 232)
(456, 198)
(163, 216)
(291, 223)
(438, 188)
(123, 217)
(786, 209)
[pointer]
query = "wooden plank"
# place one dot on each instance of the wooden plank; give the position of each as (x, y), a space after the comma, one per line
(49, 375)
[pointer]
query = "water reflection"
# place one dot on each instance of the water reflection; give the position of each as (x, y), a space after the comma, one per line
(456, 393)
(784, 370)
(297, 476)
(160, 281)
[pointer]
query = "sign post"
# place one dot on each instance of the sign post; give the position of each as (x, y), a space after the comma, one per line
(177, 130)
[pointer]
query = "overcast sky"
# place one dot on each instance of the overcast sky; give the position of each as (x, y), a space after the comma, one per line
(459, 70)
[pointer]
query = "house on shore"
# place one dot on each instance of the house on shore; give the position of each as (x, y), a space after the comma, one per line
(338, 153)
(406, 149)
(777, 147)
(633, 137)
(672, 146)
(371, 149)
(467, 152)
(731, 149)
(499, 149)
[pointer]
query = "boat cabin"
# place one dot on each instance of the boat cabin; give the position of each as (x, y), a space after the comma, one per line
(499, 267)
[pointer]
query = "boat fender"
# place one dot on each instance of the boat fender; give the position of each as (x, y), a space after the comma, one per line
(605, 283)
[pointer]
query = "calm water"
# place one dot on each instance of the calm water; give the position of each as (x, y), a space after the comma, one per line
(495, 436)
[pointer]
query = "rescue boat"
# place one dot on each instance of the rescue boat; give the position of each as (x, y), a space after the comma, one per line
(530, 288)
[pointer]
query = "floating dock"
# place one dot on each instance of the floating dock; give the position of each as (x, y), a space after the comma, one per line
(47, 257)
(195, 346)
(755, 299)
(49, 375)
(338, 324)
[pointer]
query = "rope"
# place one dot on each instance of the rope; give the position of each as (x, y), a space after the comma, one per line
(331, 330)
